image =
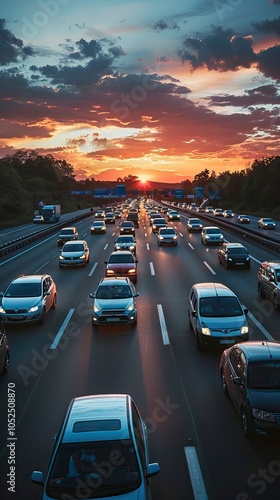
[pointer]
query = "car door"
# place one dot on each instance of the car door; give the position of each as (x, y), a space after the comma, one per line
(47, 291)
(270, 283)
(222, 253)
(236, 369)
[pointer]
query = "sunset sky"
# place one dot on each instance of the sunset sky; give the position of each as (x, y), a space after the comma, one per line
(159, 89)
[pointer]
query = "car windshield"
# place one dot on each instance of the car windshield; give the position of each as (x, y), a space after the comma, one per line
(220, 307)
(194, 221)
(237, 250)
(213, 231)
(24, 290)
(98, 223)
(277, 275)
(113, 292)
(65, 232)
(267, 220)
(167, 231)
(127, 224)
(125, 239)
(120, 258)
(73, 248)
(264, 375)
(115, 471)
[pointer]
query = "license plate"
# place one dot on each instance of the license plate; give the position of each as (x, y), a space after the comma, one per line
(239, 263)
(113, 320)
(224, 341)
(17, 316)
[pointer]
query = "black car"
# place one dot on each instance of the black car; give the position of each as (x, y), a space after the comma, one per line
(4, 350)
(234, 255)
(250, 375)
(127, 227)
(243, 219)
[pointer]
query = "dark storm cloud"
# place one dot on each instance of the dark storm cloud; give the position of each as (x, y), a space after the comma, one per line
(11, 48)
(259, 96)
(163, 25)
(221, 50)
(269, 62)
(269, 26)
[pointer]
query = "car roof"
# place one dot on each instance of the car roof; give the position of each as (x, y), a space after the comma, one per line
(272, 263)
(212, 227)
(121, 252)
(118, 280)
(27, 278)
(70, 227)
(76, 242)
(260, 350)
(234, 245)
(213, 290)
(98, 418)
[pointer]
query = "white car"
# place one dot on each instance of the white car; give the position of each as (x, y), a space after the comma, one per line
(74, 253)
(212, 235)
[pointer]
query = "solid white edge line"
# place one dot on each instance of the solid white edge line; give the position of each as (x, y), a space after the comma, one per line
(148, 246)
(93, 269)
(190, 245)
(199, 491)
(210, 268)
(62, 329)
(163, 327)
(152, 269)
(260, 327)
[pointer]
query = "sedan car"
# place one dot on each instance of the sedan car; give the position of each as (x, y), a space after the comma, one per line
(99, 214)
(250, 375)
(127, 227)
(173, 215)
(218, 212)
(126, 243)
(266, 223)
(122, 263)
(212, 235)
(67, 234)
(114, 302)
(243, 219)
(228, 213)
(74, 253)
(4, 350)
(98, 227)
(167, 236)
(110, 218)
(28, 298)
(194, 224)
(234, 255)
(107, 438)
(38, 219)
(158, 224)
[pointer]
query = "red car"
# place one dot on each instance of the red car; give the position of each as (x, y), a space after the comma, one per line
(122, 263)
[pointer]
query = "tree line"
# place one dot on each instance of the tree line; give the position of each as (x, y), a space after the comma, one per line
(28, 177)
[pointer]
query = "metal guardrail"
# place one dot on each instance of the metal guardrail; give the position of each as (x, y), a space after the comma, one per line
(22, 241)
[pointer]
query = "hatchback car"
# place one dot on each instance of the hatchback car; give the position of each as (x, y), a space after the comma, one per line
(74, 253)
(4, 350)
(266, 223)
(126, 243)
(67, 234)
(107, 436)
(194, 225)
(216, 315)
(167, 236)
(98, 227)
(243, 219)
(212, 235)
(127, 227)
(122, 263)
(173, 215)
(234, 255)
(28, 298)
(250, 375)
(269, 282)
(114, 302)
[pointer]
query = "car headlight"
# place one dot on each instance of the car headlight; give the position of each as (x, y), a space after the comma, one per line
(205, 330)
(61, 257)
(244, 329)
(266, 416)
(2, 310)
(130, 306)
(117, 247)
(33, 309)
(82, 257)
(96, 307)
(131, 248)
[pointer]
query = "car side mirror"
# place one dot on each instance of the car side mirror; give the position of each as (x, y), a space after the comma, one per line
(237, 380)
(194, 314)
(105, 261)
(92, 295)
(271, 279)
(245, 310)
(37, 477)
(136, 294)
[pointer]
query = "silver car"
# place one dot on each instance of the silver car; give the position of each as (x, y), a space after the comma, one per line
(74, 253)
(28, 298)
(167, 236)
(114, 302)
(126, 243)
(212, 235)
(216, 315)
(101, 449)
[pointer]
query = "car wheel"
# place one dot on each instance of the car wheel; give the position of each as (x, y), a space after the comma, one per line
(260, 291)
(226, 265)
(199, 345)
(190, 323)
(6, 364)
(135, 322)
(42, 320)
(246, 426)
(219, 259)
(248, 265)
(224, 384)
(159, 244)
(53, 306)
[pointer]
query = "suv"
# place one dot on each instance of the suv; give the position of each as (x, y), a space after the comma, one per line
(133, 217)
(109, 439)
(67, 234)
(234, 254)
(269, 282)
(216, 315)
(28, 298)
(4, 350)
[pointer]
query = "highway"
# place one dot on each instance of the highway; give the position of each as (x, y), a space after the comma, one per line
(176, 388)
